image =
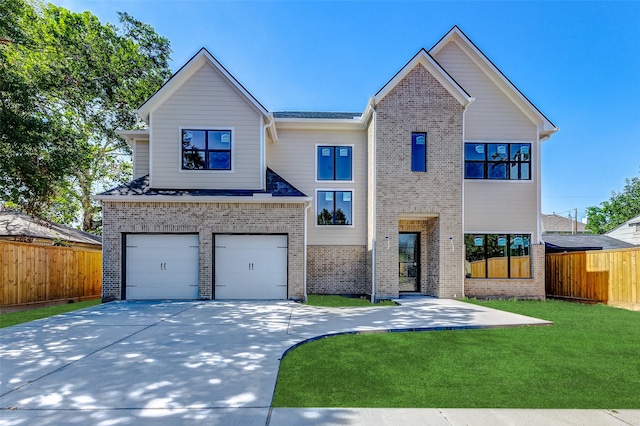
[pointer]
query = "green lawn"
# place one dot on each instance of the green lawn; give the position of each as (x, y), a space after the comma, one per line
(341, 301)
(590, 358)
(14, 318)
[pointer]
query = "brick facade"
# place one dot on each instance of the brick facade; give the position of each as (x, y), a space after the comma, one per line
(532, 288)
(337, 270)
(419, 103)
(204, 219)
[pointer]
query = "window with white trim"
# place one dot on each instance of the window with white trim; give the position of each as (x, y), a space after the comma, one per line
(334, 208)
(334, 162)
(206, 149)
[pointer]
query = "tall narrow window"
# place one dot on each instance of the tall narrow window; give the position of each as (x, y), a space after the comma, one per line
(418, 152)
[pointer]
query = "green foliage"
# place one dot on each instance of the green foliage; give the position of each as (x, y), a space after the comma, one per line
(70, 83)
(13, 318)
(621, 207)
(587, 359)
(333, 301)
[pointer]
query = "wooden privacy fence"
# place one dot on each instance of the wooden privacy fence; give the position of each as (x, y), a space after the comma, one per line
(32, 274)
(608, 276)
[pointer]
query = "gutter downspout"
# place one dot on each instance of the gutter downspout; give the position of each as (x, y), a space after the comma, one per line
(304, 257)
(373, 208)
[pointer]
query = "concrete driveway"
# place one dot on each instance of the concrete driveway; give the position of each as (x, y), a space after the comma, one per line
(200, 362)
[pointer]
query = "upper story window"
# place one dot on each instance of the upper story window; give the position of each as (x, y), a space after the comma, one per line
(334, 163)
(206, 149)
(334, 207)
(497, 161)
(418, 152)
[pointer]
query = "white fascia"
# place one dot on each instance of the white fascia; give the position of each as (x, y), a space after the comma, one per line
(320, 123)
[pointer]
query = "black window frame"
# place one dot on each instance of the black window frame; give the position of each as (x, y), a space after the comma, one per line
(333, 213)
(485, 254)
(512, 162)
(334, 150)
(207, 150)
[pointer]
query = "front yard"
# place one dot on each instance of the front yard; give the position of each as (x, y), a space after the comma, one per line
(590, 358)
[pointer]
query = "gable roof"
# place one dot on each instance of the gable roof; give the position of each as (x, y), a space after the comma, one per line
(18, 224)
(427, 61)
(546, 127)
(631, 222)
(182, 75)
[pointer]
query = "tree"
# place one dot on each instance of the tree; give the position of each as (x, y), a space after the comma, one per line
(621, 207)
(99, 74)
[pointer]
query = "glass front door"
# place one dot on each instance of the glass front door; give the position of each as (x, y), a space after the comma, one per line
(409, 261)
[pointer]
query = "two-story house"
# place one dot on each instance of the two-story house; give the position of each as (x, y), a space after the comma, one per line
(433, 189)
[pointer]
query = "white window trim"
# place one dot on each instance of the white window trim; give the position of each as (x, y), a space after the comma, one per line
(502, 181)
(200, 172)
(353, 203)
(333, 181)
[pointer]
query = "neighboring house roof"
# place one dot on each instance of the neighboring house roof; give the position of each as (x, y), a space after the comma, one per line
(182, 75)
(552, 223)
(545, 126)
(634, 221)
(426, 60)
(276, 187)
(580, 242)
(17, 224)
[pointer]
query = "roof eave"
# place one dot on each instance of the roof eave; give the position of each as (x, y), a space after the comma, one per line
(260, 198)
(319, 123)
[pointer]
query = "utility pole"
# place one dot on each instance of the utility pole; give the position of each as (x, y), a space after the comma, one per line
(575, 221)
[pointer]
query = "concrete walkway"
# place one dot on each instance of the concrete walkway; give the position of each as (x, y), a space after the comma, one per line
(207, 363)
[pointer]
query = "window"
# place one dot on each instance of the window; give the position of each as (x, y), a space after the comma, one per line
(418, 152)
(334, 208)
(334, 163)
(206, 149)
(497, 161)
(497, 255)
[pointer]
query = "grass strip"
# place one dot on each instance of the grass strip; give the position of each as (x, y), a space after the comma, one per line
(588, 359)
(332, 301)
(13, 318)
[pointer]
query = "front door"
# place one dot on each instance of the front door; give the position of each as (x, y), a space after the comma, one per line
(409, 261)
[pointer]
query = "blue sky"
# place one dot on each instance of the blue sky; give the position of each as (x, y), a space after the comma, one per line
(577, 61)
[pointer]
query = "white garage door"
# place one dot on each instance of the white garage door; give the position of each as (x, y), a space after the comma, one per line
(250, 266)
(162, 266)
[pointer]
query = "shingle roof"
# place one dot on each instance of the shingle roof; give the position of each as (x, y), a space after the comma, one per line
(579, 242)
(276, 186)
(319, 115)
(555, 223)
(17, 224)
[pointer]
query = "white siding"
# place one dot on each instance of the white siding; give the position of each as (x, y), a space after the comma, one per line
(206, 100)
(293, 157)
(630, 234)
(494, 206)
(492, 116)
(140, 158)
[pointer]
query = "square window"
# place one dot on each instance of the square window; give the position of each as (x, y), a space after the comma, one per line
(474, 170)
(206, 149)
(334, 208)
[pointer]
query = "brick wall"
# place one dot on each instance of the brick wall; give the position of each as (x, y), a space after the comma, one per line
(337, 270)
(205, 219)
(532, 288)
(420, 104)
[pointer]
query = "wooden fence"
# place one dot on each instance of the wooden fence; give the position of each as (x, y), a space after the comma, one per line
(33, 274)
(520, 267)
(608, 276)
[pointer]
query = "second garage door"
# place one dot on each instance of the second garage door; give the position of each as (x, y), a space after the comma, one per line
(250, 266)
